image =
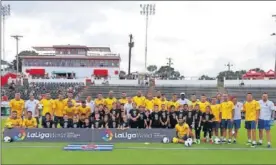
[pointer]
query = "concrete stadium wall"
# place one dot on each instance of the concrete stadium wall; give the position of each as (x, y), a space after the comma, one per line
(250, 83)
(57, 80)
(207, 83)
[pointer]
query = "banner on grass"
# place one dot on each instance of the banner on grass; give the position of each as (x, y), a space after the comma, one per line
(88, 135)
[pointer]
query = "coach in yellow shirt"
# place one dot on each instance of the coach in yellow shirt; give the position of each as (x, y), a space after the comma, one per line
(215, 110)
(139, 99)
(174, 102)
(58, 111)
(48, 105)
(194, 101)
(70, 97)
(17, 104)
(30, 121)
(123, 99)
(149, 102)
(162, 101)
(110, 100)
(252, 110)
(227, 110)
(203, 103)
(13, 121)
(99, 100)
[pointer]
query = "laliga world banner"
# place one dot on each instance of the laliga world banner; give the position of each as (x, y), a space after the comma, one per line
(88, 135)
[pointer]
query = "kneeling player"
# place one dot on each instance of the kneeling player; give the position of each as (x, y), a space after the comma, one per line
(183, 131)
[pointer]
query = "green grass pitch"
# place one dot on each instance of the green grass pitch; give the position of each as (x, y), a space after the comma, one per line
(139, 153)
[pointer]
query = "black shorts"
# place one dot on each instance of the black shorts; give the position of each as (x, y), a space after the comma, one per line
(190, 125)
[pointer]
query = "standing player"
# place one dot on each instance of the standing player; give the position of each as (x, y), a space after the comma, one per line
(123, 99)
(193, 101)
(32, 105)
(164, 117)
(139, 99)
(155, 117)
(266, 116)
(17, 104)
(183, 99)
(99, 100)
(197, 123)
(110, 100)
(174, 102)
(227, 113)
(58, 111)
(173, 117)
(215, 110)
(252, 110)
(237, 117)
(207, 120)
(48, 105)
(149, 102)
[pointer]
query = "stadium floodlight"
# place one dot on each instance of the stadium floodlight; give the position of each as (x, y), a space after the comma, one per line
(147, 10)
(5, 12)
(17, 38)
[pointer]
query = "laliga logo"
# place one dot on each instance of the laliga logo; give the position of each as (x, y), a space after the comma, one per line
(21, 136)
(107, 135)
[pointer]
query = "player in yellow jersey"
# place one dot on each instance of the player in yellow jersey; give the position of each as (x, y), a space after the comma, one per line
(252, 110)
(183, 131)
(149, 102)
(174, 102)
(203, 103)
(70, 97)
(123, 99)
(227, 112)
(17, 104)
(13, 121)
(215, 110)
(84, 109)
(193, 101)
(70, 110)
(58, 111)
(30, 121)
(110, 100)
(48, 105)
(162, 101)
(99, 100)
(139, 99)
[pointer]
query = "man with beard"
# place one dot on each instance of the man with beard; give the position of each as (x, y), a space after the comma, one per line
(174, 102)
(110, 100)
(139, 99)
(142, 116)
(173, 117)
(155, 117)
(149, 102)
(123, 99)
(133, 118)
(164, 117)
(99, 100)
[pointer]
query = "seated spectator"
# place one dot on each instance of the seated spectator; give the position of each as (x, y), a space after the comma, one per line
(48, 122)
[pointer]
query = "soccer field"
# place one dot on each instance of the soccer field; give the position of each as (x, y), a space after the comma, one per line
(139, 153)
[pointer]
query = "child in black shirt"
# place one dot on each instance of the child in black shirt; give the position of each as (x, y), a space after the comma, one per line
(48, 122)
(207, 120)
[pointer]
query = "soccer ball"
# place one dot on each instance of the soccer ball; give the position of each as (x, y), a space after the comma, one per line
(7, 139)
(217, 140)
(175, 140)
(165, 140)
(188, 142)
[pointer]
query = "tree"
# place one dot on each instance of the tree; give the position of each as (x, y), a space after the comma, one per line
(152, 68)
(206, 77)
(167, 72)
(22, 53)
(230, 75)
(258, 70)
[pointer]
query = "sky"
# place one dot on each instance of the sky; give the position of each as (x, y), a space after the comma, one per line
(200, 37)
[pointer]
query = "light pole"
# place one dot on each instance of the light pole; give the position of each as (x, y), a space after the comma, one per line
(147, 10)
(5, 12)
(274, 34)
(17, 38)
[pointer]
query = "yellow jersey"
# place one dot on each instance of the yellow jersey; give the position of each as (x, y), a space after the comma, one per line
(59, 107)
(99, 101)
(29, 123)
(65, 101)
(18, 106)
(227, 109)
(194, 103)
(84, 110)
(250, 109)
(48, 106)
(123, 101)
(70, 112)
(165, 102)
(139, 100)
(176, 104)
(109, 102)
(182, 130)
(149, 104)
(13, 122)
(202, 106)
(215, 110)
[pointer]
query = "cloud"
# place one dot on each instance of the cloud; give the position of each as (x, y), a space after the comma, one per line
(201, 37)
